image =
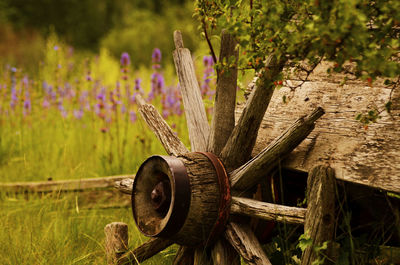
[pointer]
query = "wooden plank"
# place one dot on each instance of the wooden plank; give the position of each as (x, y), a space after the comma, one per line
(171, 143)
(238, 148)
(116, 242)
(268, 211)
(194, 108)
(223, 120)
(145, 251)
(124, 185)
(62, 185)
(366, 156)
(320, 218)
(223, 253)
(253, 171)
(242, 238)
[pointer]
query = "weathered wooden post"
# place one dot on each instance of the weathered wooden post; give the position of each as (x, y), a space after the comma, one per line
(116, 243)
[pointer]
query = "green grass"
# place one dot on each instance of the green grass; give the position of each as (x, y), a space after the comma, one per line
(52, 229)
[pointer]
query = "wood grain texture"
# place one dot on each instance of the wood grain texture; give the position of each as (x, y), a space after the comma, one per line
(201, 257)
(194, 108)
(242, 238)
(366, 156)
(253, 171)
(320, 217)
(116, 243)
(145, 251)
(172, 144)
(184, 256)
(238, 148)
(268, 211)
(124, 185)
(223, 120)
(223, 253)
(62, 185)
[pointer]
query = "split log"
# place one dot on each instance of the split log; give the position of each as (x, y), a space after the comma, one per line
(268, 211)
(241, 142)
(223, 120)
(194, 108)
(224, 254)
(145, 251)
(172, 144)
(124, 185)
(320, 217)
(116, 243)
(250, 173)
(184, 256)
(242, 238)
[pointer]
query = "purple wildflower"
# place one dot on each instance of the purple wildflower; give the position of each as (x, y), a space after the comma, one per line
(156, 58)
(125, 59)
(27, 104)
(132, 116)
(14, 97)
(78, 113)
(56, 48)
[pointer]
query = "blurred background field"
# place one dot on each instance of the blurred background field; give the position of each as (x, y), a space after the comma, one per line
(69, 74)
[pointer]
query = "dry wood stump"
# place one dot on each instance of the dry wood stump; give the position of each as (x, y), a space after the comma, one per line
(189, 197)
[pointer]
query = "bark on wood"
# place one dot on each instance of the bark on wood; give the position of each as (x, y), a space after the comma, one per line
(250, 173)
(194, 108)
(239, 145)
(268, 211)
(242, 238)
(116, 243)
(201, 257)
(223, 120)
(320, 217)
(366, 156)
(224, 254)
(62, 185)
(124, 185)
(184, 256)
(145, 251)
(172, 145)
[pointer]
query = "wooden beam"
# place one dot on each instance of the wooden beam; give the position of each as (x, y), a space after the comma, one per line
(201, 257)
(242, 238)
(124, 185)
(145, 251)
(320, 218)
(62, 185)
(223, 120)
(172, 145)
(194, 108)
(250, 173)
(223, 253)
(238, 148)
(116, 243)
(268, 211)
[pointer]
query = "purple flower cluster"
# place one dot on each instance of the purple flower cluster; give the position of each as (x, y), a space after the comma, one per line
(207, 77)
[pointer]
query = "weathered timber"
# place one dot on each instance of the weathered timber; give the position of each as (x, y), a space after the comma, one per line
(116, 243)
(223, 120)
(240, 143)
(172, 144)
(145, 251)
(124, 185)
(62, 185)
(365, 155)
(242, 238)
(194, 108)
(201, 257)
(268, 211)
(184, 256)
(250, 173)
(320, 216)
(224, 254)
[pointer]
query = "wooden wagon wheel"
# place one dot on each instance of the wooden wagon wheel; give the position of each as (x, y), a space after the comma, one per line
(188, 197)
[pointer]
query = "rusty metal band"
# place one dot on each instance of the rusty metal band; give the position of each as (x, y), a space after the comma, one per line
(181, 205)
(225, 197)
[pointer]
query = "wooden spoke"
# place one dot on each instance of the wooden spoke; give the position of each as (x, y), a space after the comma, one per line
(239, 145)
(242, 238)
(320, 217)
(201, 257)
(224, 254)
(250, 173)
(184, 256)
(194, 108)
(164, 133)
(268, 211)
(145, 251)
(223, 120)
